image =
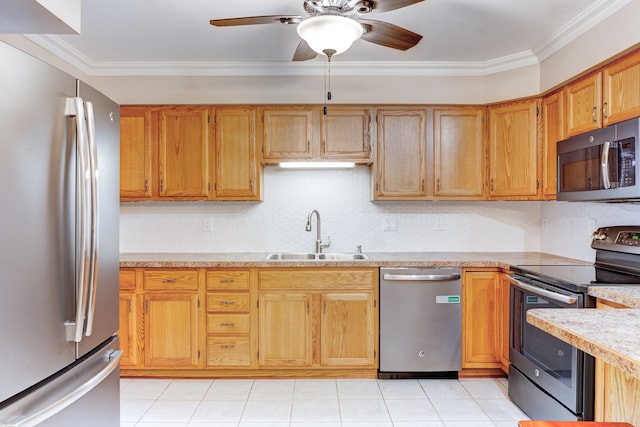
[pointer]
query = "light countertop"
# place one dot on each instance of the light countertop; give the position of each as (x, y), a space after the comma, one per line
(611, 335)
(377, 259)
(625, 295)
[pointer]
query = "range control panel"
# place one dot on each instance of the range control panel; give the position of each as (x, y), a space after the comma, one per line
(618, 238)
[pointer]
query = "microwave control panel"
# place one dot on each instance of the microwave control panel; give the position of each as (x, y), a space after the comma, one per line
(627, 162)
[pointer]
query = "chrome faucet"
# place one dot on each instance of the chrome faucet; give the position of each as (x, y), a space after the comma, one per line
(319, 244)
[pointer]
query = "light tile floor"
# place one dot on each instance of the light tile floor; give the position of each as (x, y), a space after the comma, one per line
(472, 402)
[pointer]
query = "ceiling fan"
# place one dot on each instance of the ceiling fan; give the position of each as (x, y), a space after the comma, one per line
(333, 25)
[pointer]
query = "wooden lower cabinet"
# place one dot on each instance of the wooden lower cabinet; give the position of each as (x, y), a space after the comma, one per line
(128, 328)
(318, 319)
(285, 330)
(171, 330)
(481, 319)
(617, 394)
(347, 330)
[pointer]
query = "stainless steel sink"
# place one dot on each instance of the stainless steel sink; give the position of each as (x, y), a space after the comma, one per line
(335, 256)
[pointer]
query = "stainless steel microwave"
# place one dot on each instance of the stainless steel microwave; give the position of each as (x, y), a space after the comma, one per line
(601, 165)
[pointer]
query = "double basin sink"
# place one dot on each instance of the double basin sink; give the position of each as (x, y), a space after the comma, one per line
(335, 256)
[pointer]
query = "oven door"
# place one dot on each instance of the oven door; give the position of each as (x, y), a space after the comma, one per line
(553, 365)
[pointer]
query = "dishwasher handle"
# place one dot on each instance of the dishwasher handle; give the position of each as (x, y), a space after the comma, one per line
(421, 277)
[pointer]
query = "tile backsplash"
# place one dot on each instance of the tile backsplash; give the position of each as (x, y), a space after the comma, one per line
(350, 218)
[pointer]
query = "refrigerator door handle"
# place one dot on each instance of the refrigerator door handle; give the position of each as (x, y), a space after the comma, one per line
(42, 410)
(75, 328)
(93, 260)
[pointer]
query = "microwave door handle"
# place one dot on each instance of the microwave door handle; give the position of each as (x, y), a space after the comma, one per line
(604, 164)
(543, 292)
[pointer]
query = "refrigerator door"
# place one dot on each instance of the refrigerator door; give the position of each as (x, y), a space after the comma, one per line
(102, 315)
(87, 394)
(36, 221)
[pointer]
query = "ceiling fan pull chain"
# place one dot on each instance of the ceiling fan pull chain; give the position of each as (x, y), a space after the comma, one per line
(327, 77)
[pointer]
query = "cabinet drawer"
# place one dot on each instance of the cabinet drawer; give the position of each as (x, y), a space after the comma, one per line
(221, 280)
(228, 323)
(171, 279)
(128, 280)
(318, 279)
(228, 351)
(228, 302)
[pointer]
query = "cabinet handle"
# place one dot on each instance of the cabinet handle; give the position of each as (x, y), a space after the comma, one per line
(146, 186)
(161, 185)
(227, 325)
(604, 110)
(438, 184)
(227, 302)
(492, 185)
(227, 280)
(146, 305)
(227, 347)
(593, 114)
(169, 280)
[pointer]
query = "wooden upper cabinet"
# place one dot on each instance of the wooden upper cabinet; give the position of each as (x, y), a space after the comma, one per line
(513, 150)
(237, 174)
(400, 167)
(136, 153)
(459, 152)
(583, 101)
(552, 132)
(287, 132)
(621, 84)
(184, 152)
(346, 133)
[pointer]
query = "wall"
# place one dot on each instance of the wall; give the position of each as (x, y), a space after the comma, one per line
(348, 217)
(566, 227)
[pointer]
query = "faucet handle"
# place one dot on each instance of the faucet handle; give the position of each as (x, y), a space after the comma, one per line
(359, 249)
(325, 245)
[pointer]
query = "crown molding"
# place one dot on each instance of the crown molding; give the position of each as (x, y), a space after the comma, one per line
(592, 16)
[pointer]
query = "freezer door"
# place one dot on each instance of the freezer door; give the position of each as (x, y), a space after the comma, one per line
(107, 137)
(87, 394)
(36, 221)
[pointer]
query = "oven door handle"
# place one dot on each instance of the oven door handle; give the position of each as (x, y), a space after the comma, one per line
(543, 292)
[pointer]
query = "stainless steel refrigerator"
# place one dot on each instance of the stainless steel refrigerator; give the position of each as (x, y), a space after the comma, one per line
(59, 207)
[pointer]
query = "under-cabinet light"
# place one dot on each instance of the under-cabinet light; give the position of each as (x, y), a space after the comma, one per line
(317, 165)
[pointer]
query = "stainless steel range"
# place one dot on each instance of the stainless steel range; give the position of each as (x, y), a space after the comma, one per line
(548, 378)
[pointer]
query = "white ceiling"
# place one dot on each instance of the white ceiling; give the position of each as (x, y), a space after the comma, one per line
(133, 37)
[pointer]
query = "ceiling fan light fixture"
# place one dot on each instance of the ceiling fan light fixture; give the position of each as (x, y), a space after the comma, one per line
(330, 33)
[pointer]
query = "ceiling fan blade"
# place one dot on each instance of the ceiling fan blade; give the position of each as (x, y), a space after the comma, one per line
(387, 5)
(304, 52)
(252, 20)
(389, 35)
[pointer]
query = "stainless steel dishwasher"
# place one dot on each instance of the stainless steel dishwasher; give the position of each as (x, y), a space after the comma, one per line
(420, 322)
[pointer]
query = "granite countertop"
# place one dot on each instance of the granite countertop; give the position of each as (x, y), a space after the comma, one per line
(626, 295)
(377, 259)
(610, 335)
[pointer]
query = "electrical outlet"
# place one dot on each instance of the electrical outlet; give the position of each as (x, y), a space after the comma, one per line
(390, 223)
(207, 224)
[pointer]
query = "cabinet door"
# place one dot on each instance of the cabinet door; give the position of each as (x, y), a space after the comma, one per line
(480, 321)
(583, 99)
(459, 153)
(552, 132)
(401, 154)
(346, 134)
(621, 81)
(347, 335)
(287, 133)
(171, 330)
(136, 157)
(236, 172)
(513, 153)
(285, 330)
(128, 329)
(183, 149)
